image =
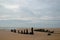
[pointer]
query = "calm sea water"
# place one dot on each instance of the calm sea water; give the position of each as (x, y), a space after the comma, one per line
(8, 24)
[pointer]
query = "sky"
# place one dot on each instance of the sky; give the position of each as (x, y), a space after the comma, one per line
(30, 11)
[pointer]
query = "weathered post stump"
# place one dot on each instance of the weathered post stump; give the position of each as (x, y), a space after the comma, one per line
(14, 30)
(52, 32)
(21, 32)
(32, 31)
(11, 30)
(49, 34)
(26, 31)
(18, 32)
(47, 31)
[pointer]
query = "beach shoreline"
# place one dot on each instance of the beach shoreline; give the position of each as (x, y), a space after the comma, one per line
(8, 35)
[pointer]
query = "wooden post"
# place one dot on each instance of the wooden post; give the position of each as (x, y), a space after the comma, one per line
(46, 30)
(21, 32)
(51, 31)
(18, 31)
(11, 30)
(49, 34)
(26, 31)
(14, 30)
(32, 31)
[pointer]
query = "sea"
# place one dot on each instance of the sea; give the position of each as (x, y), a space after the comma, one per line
(11, 24)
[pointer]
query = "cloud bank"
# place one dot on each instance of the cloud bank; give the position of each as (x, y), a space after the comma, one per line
(30, 10)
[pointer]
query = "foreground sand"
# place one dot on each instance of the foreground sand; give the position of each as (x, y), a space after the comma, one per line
(7, 35)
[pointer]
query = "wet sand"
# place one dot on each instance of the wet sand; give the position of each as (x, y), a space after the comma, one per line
(8, 35)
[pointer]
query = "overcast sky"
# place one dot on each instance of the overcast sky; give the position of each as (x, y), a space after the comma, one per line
(30, 10)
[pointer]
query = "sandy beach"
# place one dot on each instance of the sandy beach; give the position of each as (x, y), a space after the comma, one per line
(8, 35)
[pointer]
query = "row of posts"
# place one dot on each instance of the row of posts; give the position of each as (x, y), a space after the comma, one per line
(43, 30)
(23, 31)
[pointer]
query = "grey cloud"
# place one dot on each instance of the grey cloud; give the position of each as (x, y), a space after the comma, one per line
(50, 8)
(33, 8)
(8, 1)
